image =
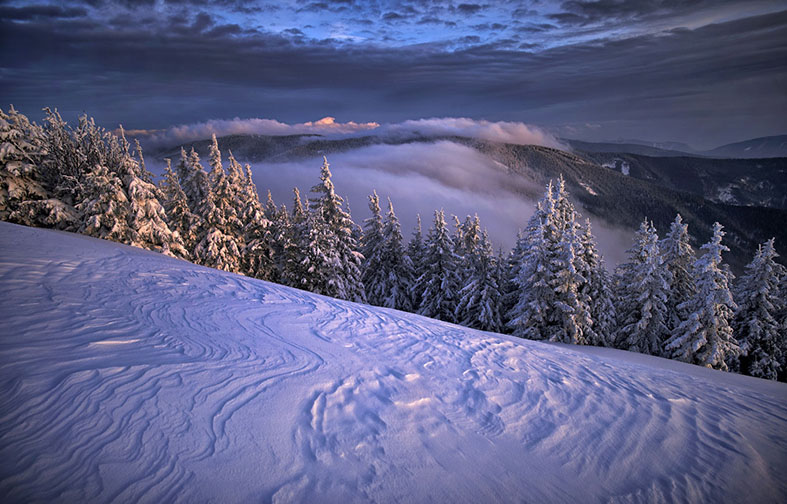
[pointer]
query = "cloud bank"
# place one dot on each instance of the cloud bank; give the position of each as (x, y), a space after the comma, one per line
(254, 126)
(423, 177)
(501, 131)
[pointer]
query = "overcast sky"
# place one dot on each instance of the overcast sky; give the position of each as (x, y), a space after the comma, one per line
(702, 72)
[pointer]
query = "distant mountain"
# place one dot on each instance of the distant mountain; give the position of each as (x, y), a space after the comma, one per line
(747, 182)
(631, 148)
(756, 148)
(764, 147)
(671, 146)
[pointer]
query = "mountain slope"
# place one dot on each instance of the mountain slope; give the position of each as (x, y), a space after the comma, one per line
(763, 147)
(131, 376)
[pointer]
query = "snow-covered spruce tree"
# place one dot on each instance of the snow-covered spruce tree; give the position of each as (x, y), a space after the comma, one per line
(147, 218)
(279, 234)
(397, 264)
(416, 249)
(302, 256)
(679, 258)
(549, 305)
(344, 261)
(522, 299)
(180, 218)
(439, 281)
(755, 323)
(642, 289)
(510, 268)
(706, 338)
(479, 298)
(105, 208)
(374, 272)
(596, 291)
(468, 236)
(219, 245)
(24, 198)
(254, 227)
(194, 181)
(66, 163)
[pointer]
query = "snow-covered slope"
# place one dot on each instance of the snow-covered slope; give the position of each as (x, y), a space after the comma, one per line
(128, 376)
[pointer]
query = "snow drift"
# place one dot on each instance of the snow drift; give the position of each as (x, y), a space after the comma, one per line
(128, 376)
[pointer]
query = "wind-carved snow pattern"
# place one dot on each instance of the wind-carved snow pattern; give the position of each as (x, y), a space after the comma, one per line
(130, 376)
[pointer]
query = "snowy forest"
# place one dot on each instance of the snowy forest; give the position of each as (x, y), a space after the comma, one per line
(667, 299)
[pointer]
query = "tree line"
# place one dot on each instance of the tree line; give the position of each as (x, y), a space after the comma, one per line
(665, 300)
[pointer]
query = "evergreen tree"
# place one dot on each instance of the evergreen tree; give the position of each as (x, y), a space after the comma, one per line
(194, 181)
(416, 250)
(396, 264)
(104, 209)
(180, 218)
(253, 228)
(706, 338)
(147, 218)
(299, 269)
(510, 268)
(374, 272)
(439, 281)
(24, 196)
(755, 324)
(280, 236)
(21, 152)
(549, 305)
(479, 298)
(333, 230)
(643, 285)
(596, 291)
(679, 259)
(219, 245)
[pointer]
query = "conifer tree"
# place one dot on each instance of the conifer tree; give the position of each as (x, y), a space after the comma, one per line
(596, 291)
(279, 236)
(755, 324)
(253, 227)
(147, 218)
(416, 250)
(479, 298)
(642, 287)
(549, 305)
(194, 181)
(510, 268)
(374, 272)
(679, 258)
(333, 230)
(24, 197)
(439, 281)
(104, 209)
(298, 266)
(396, 264)
(180, 218)
(219, 246)
(706, 338)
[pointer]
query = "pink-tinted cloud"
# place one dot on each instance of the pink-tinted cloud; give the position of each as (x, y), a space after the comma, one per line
(253, 126)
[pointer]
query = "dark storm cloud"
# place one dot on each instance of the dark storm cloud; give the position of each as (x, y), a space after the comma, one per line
(722, 80)
(466, 8)
(40, 11)
(584, 12)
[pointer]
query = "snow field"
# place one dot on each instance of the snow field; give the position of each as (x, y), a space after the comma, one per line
(131, 376)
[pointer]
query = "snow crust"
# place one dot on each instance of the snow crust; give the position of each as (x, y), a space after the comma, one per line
(129, 376)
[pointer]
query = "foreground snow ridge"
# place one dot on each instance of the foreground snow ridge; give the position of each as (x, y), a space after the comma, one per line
(128, 376)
